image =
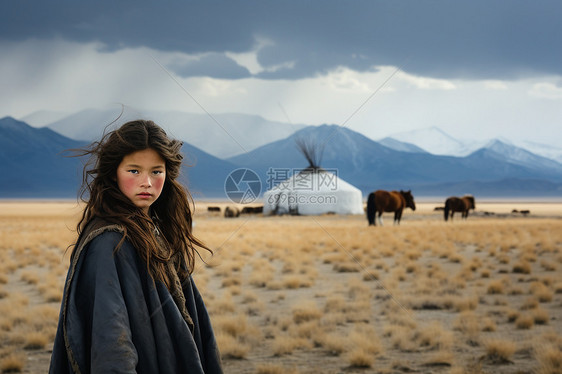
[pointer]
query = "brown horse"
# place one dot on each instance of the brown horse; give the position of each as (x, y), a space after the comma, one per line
(459, 204)
(383, 201)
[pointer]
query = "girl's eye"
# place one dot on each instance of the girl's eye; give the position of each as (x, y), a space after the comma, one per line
(157, 172)
(133, 171)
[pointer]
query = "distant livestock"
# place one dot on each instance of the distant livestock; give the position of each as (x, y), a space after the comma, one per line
(522, 212)
(458, 204)
(231, 212)
(252, 210)
(384, 201)
(213, 209)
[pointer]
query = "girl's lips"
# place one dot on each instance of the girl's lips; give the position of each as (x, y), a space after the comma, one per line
(144, 195)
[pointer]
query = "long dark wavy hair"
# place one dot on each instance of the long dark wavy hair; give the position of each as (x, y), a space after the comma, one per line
(104, 199)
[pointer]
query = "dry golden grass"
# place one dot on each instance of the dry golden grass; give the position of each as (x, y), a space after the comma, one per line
(512, 315)
(12, 363)
(36, 340)
(275, 369)
(548, 352)
(525, 321)
(360, 358)
(469, 325)
(285, 344)
(440, 359)
(495, 287)
(540, 316)
(541, 292)
(488, 324)
(549, 360)
(500, 350)
(321, 292)
(306, 311)
(231, 347)
(334, 344)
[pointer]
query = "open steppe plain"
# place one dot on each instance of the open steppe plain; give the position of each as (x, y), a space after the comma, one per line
(328, 294)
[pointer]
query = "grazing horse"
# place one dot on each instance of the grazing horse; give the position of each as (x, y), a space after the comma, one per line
(459, 204)
(383, 201)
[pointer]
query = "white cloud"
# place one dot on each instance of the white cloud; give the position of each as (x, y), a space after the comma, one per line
(426, 83)
(249, 60)
(546, 90)
(347, 80)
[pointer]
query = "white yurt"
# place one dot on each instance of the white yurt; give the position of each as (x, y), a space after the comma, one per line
(313, 191)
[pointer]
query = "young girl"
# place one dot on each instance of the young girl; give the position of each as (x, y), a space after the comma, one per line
(129, 303)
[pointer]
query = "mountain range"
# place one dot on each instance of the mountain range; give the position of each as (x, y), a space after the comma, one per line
(370, 165)
(222, 135)
(438, 142)
(37, 163)
(32, 159)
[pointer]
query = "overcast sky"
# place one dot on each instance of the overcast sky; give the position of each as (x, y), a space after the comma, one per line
(476, 69)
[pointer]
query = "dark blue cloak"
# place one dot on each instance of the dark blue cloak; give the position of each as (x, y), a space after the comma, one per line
(115, 319)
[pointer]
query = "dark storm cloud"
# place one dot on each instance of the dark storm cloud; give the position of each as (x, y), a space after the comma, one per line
(440, 38)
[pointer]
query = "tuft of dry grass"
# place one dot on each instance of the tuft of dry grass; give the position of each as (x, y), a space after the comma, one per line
(549, 358)
(523, 267)
(347, 267)
(488, 325)
(233, 325)
(334, 343)
(499, 351)
(221, 305)
(36, 340)
(29, 276)
(364, 336)
(495, 287)
(306, 311)
(467, 323)
(295, 281)
(524, 322)
(359, 357)
(548, 265)
(13, 363)
(230, 347)
(440, 358)
(465, 303)
(285, 344)
(542, 292)
(540, 316)
(512, 315)
(530, 303)
(274, 369)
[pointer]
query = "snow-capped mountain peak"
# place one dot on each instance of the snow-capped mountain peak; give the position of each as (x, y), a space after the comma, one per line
(520, 156)
(436, 141)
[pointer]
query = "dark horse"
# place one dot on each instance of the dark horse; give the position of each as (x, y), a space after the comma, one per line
(459, 204)
(383, 201)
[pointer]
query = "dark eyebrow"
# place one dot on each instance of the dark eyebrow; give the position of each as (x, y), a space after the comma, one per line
(139, 167)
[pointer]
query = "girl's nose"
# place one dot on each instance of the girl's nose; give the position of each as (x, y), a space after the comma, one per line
(146, 182)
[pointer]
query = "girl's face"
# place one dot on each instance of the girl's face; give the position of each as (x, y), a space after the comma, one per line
(140, 177)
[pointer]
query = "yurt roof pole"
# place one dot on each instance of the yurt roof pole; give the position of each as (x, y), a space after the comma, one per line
(311, 151)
